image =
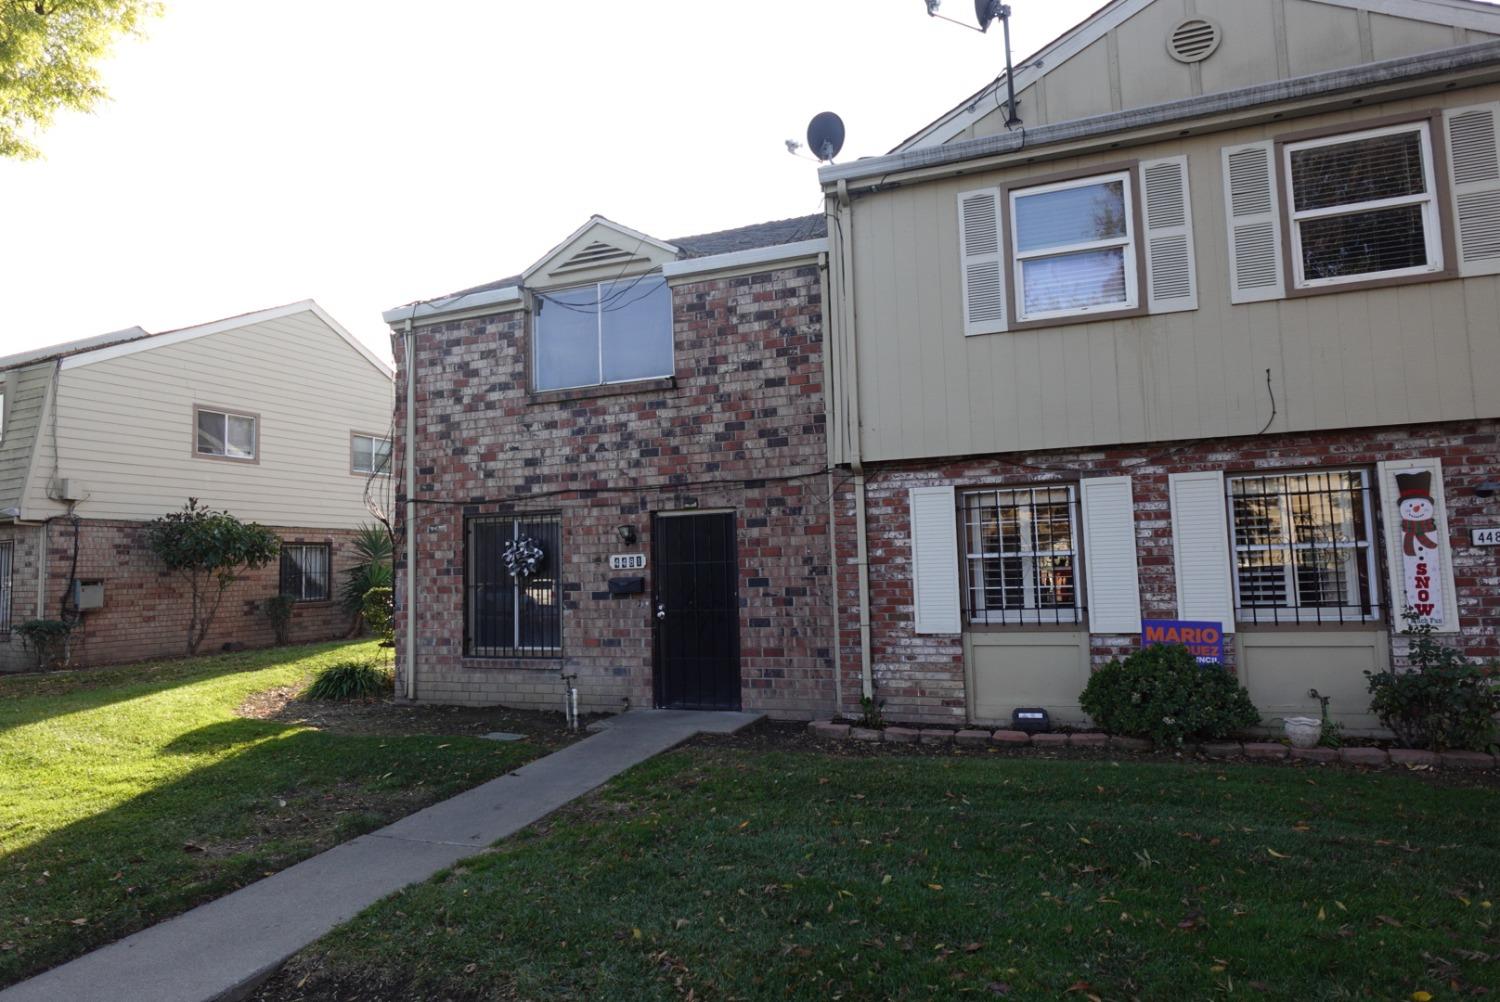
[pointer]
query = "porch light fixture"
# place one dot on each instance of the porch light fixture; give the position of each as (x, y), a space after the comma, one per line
(1487, 489)
(626, 534)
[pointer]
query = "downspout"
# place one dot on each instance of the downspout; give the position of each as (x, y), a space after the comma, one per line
(848, 337)
(833, 519)
(411, 512)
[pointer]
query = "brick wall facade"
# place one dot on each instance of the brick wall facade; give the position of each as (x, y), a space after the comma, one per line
(921, 677)
(146, 607)
(740, 427)
(26, 543)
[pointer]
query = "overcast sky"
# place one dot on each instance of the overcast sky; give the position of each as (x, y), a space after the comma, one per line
(366, 153)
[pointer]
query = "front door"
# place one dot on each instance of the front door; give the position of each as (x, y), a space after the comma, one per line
(696, 611)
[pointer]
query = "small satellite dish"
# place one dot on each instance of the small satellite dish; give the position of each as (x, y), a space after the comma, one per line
(825, 135)
(984, 13)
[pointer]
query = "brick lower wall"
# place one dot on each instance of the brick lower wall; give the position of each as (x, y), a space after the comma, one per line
(921, 677)
(146, 607)
(26, 541)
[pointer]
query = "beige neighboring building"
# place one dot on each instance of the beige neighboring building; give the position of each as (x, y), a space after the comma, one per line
(1213, 335)
(279, 416)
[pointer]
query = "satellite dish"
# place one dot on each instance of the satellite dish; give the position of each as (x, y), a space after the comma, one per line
(825, 135)
(984, 13)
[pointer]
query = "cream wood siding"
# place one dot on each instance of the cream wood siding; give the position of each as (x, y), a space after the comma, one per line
(1396, 355)
(25, 401)
(125, 427)
(1261, 41)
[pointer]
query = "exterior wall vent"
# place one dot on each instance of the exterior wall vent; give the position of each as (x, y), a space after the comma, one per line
(1193, 40)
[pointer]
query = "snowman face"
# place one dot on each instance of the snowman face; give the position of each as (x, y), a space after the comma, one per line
(1416, 509)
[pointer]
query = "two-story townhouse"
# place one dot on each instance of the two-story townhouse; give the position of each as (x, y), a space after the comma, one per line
(1212, 335)
(618, 474)
(279, 416)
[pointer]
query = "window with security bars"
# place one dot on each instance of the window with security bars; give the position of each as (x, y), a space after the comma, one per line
(7, 558)
(513, 609)
(1302, 547)
(307, 571)
(1021, 555)
(1362, 206)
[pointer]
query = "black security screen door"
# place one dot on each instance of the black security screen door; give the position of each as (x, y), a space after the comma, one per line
(696, 612)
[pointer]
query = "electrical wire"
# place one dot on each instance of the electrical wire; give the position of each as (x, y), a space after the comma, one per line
(1272, 393)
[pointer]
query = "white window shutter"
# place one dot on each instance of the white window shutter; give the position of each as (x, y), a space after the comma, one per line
(934, 559)
(1200, 548)
(982, 273)
(1253, 211)
(1171, 275)
(1474, 166)
(1114, 582)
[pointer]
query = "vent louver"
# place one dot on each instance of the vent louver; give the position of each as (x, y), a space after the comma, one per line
(595, 253)
(1193, 40)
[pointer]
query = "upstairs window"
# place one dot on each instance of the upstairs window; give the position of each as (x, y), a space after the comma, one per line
(307, 571)
(610, 332)
(1363, 206)
(225, 435)
(370, 454)
(1021, 555)
(1073, 246)
(1302, 547)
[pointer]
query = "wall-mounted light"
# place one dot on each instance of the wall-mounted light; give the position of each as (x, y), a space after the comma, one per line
(1487, 489)
(626, 534)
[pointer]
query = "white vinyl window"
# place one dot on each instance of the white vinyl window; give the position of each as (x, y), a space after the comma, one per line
(609, 332)
(230, 436)
(1302, 547)
(1363, 205)
(370, 454)
(1073, 247)
(1021, 555)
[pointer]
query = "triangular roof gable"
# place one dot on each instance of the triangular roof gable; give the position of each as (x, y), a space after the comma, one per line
(599, 249)
(165, 338)
(1472, 15)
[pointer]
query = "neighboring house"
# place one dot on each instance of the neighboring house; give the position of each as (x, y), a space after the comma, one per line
(618, 474)
(1213, 336)
(279, 416)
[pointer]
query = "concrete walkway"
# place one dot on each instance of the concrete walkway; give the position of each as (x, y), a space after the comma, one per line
(226, 948)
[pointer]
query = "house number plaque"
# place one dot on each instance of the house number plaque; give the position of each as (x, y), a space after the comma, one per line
(627, 561)
(1489, 536)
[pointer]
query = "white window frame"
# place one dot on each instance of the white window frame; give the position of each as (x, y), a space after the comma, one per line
(1128, 242)
(1328, 615)
(599, 312)
(254, 420)
(1030, 612)
(1431, 217)
(354, 466)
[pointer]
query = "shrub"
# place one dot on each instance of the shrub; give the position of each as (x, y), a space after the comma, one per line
(1163, 694)
(279, 612)
(380, 613)
(351, 680)
(1441, 701)
(372, 569)
(47, 639)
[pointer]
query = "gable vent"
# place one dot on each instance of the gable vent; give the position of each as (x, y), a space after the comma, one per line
(1193, 40)
(596, 253)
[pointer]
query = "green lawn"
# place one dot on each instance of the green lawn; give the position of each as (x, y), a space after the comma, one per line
(129, 795)
(725, 873)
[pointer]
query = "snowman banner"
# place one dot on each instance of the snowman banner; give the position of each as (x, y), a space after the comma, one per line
(1417, 544)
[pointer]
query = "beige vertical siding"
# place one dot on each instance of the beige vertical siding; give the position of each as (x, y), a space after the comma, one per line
(125, 427)
(25, 400)
(1395, 355)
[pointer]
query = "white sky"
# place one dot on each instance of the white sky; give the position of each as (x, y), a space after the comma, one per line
(366, 153)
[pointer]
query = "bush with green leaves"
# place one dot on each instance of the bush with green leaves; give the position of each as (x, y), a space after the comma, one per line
(1441, 701)
(380, 613)
(48, 639)
(1162, 693)
(372, 569)
(351, 680)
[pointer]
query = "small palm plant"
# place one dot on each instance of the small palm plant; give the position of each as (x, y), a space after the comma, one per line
(373, 550)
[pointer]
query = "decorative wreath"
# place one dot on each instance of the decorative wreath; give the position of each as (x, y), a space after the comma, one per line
(522, 557)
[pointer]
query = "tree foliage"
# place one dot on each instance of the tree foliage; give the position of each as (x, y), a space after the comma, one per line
(49, 56)
(208, 548)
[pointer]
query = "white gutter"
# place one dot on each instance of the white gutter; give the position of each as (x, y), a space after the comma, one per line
(1369, 75)
(509, 295)
(411, 513)
(745, 258)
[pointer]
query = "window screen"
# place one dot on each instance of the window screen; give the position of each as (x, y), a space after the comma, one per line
(612, 332)
(1073, 247)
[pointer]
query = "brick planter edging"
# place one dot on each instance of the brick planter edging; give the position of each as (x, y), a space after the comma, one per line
(973, 737)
